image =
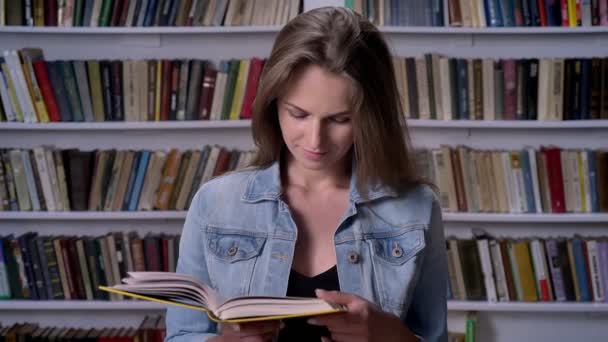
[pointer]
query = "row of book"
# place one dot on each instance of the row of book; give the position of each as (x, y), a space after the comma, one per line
(530, 270)
(35, 90)
(46, 179)
(483, 13)
(431, 87)
(446, 88)
(46, 267)
(547, 180)
(151, 329)
(146, 13)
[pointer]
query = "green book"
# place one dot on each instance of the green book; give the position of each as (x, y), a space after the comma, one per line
(106, 13)
(77, 15)
(471, 327)
(69, 79)
(230, 85)
(349, 4)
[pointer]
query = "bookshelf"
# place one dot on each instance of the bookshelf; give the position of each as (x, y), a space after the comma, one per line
(216, 43)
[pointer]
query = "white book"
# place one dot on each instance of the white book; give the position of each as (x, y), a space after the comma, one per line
(595, 270)
(131, 12)
(31, 182)
(486, 268)
(45, 181)
(540, 272)
(586, 12)
(191, 293)
(502, 290)
(487, 70)
(210, 165)
(23, 196)
(55, 184)
(458, 269)
(21, 88)
(481, 14)
(218, 96)
(544, 89)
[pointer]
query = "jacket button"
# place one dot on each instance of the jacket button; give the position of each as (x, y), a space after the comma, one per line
(232, 250)
(353, 257)
(397, 252)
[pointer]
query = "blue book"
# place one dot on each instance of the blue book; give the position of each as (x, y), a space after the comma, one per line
(585, 71)
(527, 171)
(44, 263)
(150, 13)
(437, 17)
(5, 275)
(139, 180)
(493, 13)
(54, 70)
(463, 93)
(132, 175)
(87, 13)
(507, 11)
(26, 258)
(578, 255)
(553, 10)
(595, 204)
(173, 13)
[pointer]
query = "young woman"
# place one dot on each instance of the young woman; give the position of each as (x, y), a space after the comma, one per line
(332, 201)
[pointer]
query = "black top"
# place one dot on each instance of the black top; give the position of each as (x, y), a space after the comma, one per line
(296, 329)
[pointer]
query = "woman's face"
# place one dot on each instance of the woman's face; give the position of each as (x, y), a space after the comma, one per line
(315, 120)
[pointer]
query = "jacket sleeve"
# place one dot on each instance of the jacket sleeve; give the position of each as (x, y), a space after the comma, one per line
(185, 325)
(427, 314)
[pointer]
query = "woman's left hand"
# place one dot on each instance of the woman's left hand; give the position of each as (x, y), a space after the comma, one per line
(363, 321)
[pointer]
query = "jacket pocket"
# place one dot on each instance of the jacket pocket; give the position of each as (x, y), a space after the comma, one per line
(396, 259)
(232, 258)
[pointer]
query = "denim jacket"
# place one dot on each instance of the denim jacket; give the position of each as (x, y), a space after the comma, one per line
(239, 237)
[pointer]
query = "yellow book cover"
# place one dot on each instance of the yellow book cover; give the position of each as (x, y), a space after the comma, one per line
(96, 90)
(32, 84)
(572, 13)
(526, 272)
(11, 90)
(239, 90)
(581, 175)
(188, 292)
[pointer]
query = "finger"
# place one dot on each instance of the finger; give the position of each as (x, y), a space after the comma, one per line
(334, 321)
(326, 339)
(337, 297)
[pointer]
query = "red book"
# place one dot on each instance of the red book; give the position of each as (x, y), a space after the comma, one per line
(46, 88)
(509, 89)
(206, 97)
(50, 13)
(253, 79)
(164, 246)
(165, 95)
(542, 12)
(556, 181)
(116, 12)
(564, 6)
(122, 21)
(222, 162)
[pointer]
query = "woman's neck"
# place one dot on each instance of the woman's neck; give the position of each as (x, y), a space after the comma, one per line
(294, 174)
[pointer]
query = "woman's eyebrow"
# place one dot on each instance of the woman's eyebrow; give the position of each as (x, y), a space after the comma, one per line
(306, 112)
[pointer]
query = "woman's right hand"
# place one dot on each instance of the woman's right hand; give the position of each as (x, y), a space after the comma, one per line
(248, 332)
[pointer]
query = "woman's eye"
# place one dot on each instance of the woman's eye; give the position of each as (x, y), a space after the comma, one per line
(297, 115)
(341, 119)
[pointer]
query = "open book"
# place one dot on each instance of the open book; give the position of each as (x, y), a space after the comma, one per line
(188, 292)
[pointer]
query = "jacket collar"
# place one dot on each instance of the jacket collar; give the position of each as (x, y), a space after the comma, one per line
(265, 184)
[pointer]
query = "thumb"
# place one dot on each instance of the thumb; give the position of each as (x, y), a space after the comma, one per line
(336, 297)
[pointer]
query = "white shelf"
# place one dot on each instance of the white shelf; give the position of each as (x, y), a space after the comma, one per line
(84, 305)
(140, 30)
(527, 306)
(222, 124)
(274, 29)
(180, 215)
(78, 305)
